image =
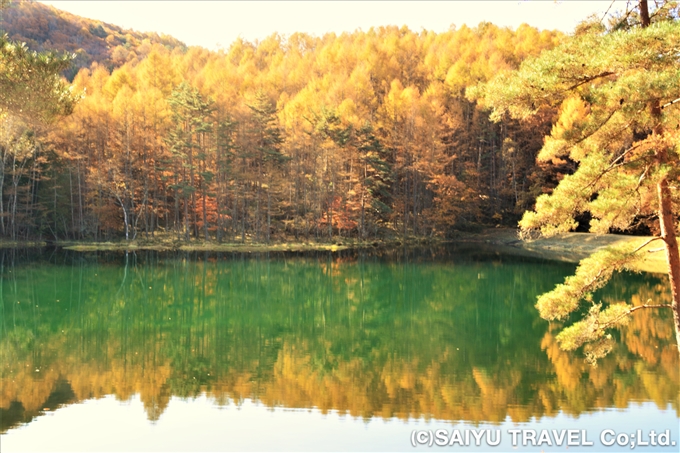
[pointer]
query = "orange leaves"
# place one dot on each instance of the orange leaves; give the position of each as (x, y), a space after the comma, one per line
(452, 197)
(341, 214)
(210, 213)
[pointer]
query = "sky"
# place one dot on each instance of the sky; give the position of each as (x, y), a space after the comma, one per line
(215, 24)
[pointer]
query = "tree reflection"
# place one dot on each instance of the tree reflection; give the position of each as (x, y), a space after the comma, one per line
(451, 338)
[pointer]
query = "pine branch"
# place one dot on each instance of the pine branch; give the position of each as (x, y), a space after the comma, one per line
(587, 79)
(655, 238)
(634, 309)
(616, 164)
(598, 128)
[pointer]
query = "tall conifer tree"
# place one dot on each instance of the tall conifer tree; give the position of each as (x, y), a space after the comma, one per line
(618, 120)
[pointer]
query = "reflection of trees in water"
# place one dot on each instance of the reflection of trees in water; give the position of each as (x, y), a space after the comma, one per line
(457, 340)
(645, 362)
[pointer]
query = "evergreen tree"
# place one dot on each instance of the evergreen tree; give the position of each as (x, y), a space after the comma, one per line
(376, 187)
(32, 94)
(191, 117)
(267, 140)
(616, 91)
(30, 83)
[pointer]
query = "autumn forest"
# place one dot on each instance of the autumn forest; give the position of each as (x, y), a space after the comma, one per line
(291, 223)
(360, 135)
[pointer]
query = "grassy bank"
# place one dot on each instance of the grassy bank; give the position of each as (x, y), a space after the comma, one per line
(21, 244)
(570, 247)
(160, 244)
(202, 247)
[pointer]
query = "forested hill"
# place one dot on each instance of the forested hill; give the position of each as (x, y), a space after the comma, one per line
(43, 27)
(365, 134)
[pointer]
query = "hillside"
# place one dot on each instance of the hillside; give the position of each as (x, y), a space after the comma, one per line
(361, 135)
(44, 27)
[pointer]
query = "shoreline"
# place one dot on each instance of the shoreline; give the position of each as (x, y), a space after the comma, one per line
(569, 247)
(339, 244)
(572, 247)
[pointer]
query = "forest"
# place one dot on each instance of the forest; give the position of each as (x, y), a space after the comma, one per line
(382, 134)
(359, 135)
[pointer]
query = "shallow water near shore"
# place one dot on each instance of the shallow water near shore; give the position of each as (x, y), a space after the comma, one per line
(316, 351)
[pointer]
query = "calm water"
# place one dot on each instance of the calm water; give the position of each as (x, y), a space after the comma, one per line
(314, 352)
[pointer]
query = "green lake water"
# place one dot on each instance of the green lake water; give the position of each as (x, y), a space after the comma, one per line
(325, 351)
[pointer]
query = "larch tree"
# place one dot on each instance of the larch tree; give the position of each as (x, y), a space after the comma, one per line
(616, 92)
(411, 155)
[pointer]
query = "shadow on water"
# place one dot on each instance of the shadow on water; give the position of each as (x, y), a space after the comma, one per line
(446, 333)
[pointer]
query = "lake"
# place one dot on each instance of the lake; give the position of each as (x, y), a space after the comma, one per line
(370, 351)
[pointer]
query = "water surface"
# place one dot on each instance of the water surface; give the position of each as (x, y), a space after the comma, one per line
(349, 351)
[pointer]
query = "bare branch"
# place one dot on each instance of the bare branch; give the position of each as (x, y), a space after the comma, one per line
(668, 104)
(607, 12)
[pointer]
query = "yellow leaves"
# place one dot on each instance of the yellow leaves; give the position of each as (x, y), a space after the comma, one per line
(399, 81)
(560, 142)
(348, 110)
(122, 103)
(573, 111)
(157, 71)
(567, 369)
(393, 100)
(119, 78)
(478, 54)
(82, 79)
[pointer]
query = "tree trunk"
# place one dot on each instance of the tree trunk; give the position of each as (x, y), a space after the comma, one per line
(644, 14)
(81, 226)
(206, 235)
(269, 211)
(125, 217)
(666, 218)
(73, 207)
(667, 225)
(54, 186)
(186, 219)
(2, 185)
(363, 204)
(669, 236)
